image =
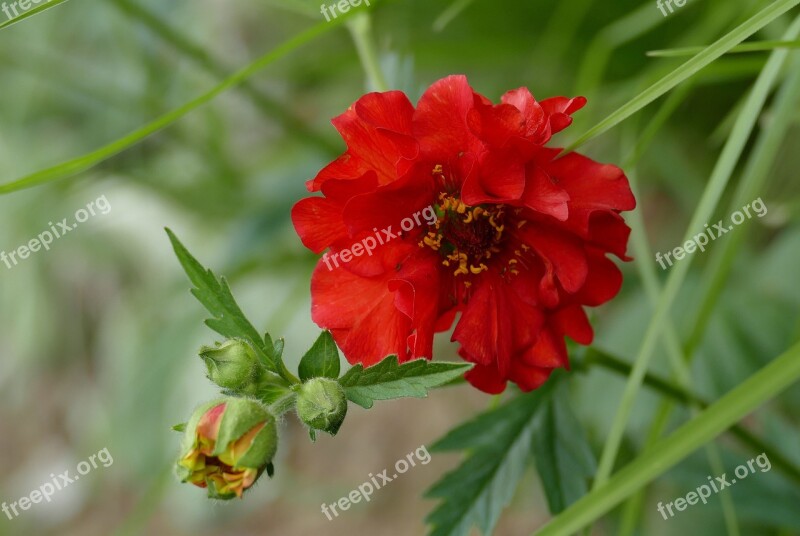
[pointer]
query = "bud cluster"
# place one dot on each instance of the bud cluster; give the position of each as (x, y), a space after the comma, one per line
(230, 442)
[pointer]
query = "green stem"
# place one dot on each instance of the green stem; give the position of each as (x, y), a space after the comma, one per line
(360, 28)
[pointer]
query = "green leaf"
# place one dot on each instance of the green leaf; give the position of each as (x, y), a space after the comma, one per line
(563, 457)
(499, 443)
(227, 318)
(180, 427)
(322, 360)
(31, 13)
(692, 66)
(388, 379)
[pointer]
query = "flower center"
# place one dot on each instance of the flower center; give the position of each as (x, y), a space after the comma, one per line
(465, 236)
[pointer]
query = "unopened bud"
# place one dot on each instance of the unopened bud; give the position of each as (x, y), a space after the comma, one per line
(322, 404)
(227, 445)
(232, 365)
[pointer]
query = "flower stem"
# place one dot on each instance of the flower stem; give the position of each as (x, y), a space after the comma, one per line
(360, 27)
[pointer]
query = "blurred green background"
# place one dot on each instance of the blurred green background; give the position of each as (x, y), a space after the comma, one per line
(98, 336)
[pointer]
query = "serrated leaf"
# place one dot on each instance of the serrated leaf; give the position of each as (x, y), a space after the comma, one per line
(215, 295)
(278, 346)
(499, 443)
(388, 379)
(322, 360)
(561, 452)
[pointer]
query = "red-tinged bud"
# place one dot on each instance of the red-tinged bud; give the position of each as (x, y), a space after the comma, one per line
(228, 444)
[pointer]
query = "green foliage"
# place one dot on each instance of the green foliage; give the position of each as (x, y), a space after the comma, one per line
(227, 318)
(322, 360)
(499, 444)
(389, 379)
(564, 460)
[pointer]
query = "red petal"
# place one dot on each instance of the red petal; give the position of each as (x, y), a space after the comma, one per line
(391, 204)
(318, 222)
(573, 322)
(559, 110)
(377, 131)
(416, 287)
(603, 283)
(562, 254)
(536, 126)
(501, 180)
(608, 231)
(529, 378)
(440, 122)
(591, 187)
(486, 378)
(543, 195)
(362, 314)
(496, 323)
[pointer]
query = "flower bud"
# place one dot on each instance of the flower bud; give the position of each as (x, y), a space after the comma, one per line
(227, 445)
(322, 404)
(232, 365)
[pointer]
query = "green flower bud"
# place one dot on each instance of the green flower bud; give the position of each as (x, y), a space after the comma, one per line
(232, 365)
(322, 404)
(227, 445)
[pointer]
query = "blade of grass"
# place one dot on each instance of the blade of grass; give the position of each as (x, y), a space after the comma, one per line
(766, 384)
(601, 358)
(89, 160)
(754, 46)
(680, 370)
(31, 13)
(753, 179)
(692, 66)
(714, 189)
(182, 43)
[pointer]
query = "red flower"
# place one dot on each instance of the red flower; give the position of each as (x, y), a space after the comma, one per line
(517, 239)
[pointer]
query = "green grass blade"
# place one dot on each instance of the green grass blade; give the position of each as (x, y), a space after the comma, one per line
(716, 185)
(31, 13)
(692, 66)
(755, 46)
(753, 179)
(767, 383)
(89, 160)
(269, 106)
